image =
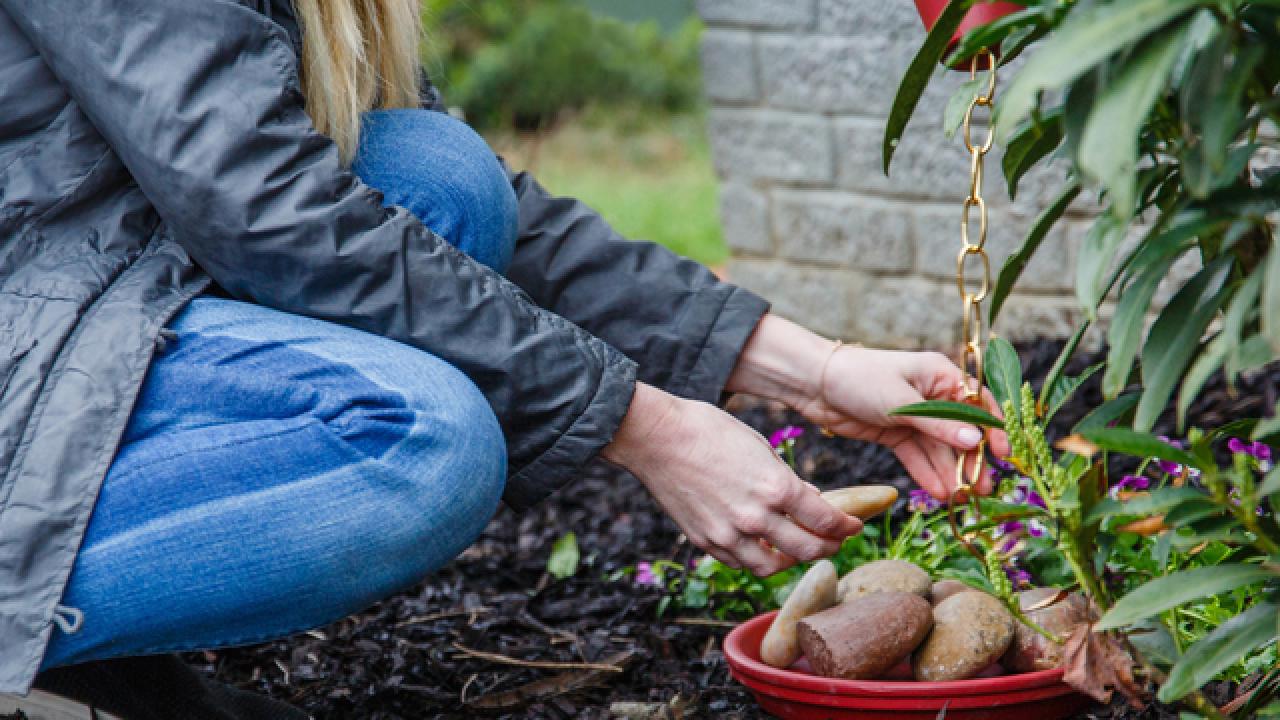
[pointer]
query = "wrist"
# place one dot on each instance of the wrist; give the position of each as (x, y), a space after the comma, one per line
(651, 410)
(782, 361)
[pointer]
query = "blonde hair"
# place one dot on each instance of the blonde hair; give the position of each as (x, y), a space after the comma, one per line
(357, 55)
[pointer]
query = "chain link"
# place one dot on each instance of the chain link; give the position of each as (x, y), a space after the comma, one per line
(973, 334)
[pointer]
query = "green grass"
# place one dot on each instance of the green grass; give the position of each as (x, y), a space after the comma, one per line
(652, 179)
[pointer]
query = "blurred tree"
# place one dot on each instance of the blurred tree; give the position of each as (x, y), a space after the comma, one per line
(520, 63)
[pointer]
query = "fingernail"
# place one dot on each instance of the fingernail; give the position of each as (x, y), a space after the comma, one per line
(969, 436)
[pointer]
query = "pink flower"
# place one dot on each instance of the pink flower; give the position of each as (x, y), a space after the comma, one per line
(646, 576)
(782, 435)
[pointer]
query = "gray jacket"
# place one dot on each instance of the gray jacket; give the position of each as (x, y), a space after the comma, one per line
(151, 147)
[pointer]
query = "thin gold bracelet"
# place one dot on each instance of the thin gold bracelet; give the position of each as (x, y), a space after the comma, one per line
(822, 381)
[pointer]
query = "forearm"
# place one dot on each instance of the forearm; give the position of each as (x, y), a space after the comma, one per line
(782, 361)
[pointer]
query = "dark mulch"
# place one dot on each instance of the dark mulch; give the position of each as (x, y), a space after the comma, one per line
(399, 659)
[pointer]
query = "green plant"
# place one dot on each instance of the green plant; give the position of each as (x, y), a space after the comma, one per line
(1166, 110)
(521, 64)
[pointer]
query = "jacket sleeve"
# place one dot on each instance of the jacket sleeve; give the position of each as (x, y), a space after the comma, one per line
(201, 100)
(671, 315)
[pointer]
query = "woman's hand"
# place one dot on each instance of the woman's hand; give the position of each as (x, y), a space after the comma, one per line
(724, 486)
(851, 391)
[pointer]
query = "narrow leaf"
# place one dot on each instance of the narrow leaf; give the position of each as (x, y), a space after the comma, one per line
(953, 114)
(918, 73)
(1157, 502)
(1096, 254)
(1003, 371)
(945, 410)
(1125, 333)
(1175, 337)
(1108, 149)
(1090, 35)
(1198, 374)
(1108, 412)
(1170, 591)
(1219, 650)
(1029, 145)
(1017, 262)
(1138, 444)
(1065, 387)
(1270, 300)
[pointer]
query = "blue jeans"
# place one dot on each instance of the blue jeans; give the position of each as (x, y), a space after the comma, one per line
(280, 472)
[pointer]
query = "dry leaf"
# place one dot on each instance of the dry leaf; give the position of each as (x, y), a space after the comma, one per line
(1078, 445)
(1097, 665)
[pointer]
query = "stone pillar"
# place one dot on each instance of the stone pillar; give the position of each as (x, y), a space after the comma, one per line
(799, 93)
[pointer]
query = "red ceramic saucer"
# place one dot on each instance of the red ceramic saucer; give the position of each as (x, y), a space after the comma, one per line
(795, 694)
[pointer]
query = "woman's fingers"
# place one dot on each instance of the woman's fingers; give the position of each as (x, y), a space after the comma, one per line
(761, 559)
(798, 542)
(819, 517)
(916, 461)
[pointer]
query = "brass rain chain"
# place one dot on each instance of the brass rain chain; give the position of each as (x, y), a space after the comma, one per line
(970, 465)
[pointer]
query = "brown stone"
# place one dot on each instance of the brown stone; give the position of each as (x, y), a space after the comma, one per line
(884, 576)
(815, 592)
(1030, 651)
(944, 589)
(970, 632)
(865, 637)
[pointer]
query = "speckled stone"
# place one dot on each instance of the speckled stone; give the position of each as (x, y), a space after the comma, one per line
(970, 632)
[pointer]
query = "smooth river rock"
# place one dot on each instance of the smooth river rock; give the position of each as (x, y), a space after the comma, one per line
(1031, 651)
(865, 637)
(970, 632)
(883, 576)
(944, 589)
(862, 501)
(815, 592)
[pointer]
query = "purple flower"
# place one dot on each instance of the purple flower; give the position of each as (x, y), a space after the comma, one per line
(1011, 527)
(782, 435)
(1258, 450)
(922, 502)
(1017, 576)
(1024, 495)
(1169, 467)
(1009, 544)
(926, 535)
(1132, 483)
(646, 576)
(1176, 443)
(1035, 529)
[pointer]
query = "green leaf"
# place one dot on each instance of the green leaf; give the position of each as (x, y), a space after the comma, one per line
(563, 562)
(1125, 333)
(1153, 640)
(1096, 254)
(1238, 312)
(1270, 300)
(1065, 387)
(1106, 413)
(1211, 109)
(1158, 501)
(1090, 35)
(1017, 262)
(1170, 591)
(1060, 365)
(1175, 337)
(918, 73)
(1029, 145)
(1271, 484)
(1003, 371)
(1219, 650)
(953, 114)
(1138, 444)
(1108, 149)
(949, 411)
(992, 34)
(1198, 374)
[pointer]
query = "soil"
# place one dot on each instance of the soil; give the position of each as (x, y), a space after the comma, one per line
(401, 658)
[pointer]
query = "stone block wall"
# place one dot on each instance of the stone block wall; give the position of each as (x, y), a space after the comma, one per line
(800, 90)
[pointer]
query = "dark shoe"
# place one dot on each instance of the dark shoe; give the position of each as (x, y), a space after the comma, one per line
(150, 688)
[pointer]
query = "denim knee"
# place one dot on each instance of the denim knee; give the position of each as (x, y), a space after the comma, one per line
(450, 470)
(439, 169)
